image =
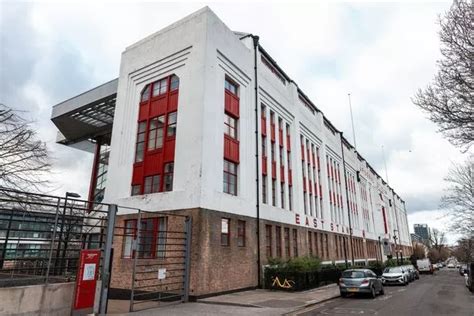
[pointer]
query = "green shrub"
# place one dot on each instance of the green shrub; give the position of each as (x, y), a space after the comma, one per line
(303, 264)
(276, 261)
(391, 263)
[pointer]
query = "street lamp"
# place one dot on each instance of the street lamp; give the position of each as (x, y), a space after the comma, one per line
(396, 248)
(63, 217)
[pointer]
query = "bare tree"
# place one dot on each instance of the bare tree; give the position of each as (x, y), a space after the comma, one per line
(437, 239)
(24, 159)
(464, 250)
(418, 252)
(449, 99)
(459, 197)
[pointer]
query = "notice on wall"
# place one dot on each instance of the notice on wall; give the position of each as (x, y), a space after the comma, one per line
(89, 272)
(161, 274)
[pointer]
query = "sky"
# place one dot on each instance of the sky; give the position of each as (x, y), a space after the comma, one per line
(379, 52)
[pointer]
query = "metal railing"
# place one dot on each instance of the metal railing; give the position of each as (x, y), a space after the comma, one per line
(41, 236)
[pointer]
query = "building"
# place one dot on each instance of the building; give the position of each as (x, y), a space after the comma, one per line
(423, 231)
(202, 121)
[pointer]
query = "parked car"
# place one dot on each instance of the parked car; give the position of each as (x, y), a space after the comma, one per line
(414, 275)
(360, 281)
(463, 269)
(451, 265)
(424, 266)
(469, 277)
(395, 275)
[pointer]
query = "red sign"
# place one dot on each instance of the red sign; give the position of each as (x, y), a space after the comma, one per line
(86, 279)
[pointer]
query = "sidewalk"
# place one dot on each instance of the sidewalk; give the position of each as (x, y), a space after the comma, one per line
(254, 302)
(286, 301)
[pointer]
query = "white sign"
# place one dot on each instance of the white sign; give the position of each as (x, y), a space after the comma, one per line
(161, 274)
(89, 272)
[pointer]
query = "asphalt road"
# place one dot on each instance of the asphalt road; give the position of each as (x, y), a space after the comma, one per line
(441, 294)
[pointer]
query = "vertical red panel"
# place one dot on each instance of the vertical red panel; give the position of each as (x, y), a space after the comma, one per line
(231, 149)
(288, 142)
(290, 177)
(263, 126)
(272, 131)
(280, 137)
(274, 169)
(304, 184)
(264, 165)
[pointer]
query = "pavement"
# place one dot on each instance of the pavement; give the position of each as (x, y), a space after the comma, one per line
(443, 293)
(254, 302)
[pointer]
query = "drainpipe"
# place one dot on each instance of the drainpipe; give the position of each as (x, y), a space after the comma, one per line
(257, 158)
(347, 201)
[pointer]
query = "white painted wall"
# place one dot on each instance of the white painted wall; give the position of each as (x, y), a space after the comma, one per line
(201, 50)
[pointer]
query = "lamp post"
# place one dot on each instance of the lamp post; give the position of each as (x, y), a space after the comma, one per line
(396, 248)
(61, 229)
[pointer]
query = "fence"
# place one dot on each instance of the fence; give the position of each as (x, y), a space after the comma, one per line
(41, 236)
(144, 253)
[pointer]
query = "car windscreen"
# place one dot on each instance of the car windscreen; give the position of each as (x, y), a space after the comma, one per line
(392, 270)
(353, 274)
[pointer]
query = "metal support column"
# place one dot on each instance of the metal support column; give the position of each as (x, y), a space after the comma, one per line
(106, 268)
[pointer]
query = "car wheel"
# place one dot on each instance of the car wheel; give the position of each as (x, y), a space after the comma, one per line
(343, 294)
(373, 294)
(382, 291)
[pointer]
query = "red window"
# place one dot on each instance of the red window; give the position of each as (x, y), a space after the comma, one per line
(230, 177)
(152, 184)
(230, 126)
(140, 147)
(225, 232)
(241, 233)
(268, 239)
(155, 135)
(160, 87)
(168, 176)
(171, 125)
(145, 94)
(136, 189)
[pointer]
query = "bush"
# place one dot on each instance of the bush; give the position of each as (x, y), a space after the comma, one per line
(391, 263)
(303, 264)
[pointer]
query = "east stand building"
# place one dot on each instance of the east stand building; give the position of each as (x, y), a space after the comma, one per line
(202, 121)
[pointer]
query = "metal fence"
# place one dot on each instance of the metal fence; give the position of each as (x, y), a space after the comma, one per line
(41, 236)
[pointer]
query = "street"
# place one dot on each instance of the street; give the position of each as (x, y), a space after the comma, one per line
(441, 294)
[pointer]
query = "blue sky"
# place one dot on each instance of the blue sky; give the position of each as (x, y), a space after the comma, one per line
(379, 52)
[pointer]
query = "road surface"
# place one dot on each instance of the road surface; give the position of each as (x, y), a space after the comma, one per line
(441, 294)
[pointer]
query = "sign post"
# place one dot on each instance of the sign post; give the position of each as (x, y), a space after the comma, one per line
(86, 282)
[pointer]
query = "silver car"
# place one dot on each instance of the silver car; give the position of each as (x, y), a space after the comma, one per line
(360, 281)
(395, 275)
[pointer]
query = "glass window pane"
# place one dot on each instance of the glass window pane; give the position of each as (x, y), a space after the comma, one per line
(148, 182)
(174, 82)
(156, 88)
(163, 86)
(145, 94)
(156, 183)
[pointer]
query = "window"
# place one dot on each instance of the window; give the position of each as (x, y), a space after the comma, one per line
(230, 177)
(152, 184)
(168, 176)
(174, 83)
(282, 162)
(231, 86)
(305, 203)
(225, 232)
(295, 243)
(272, 147)
(264, 189)
(171, 128)
(282, 195)
(230, 126)
(160, 87)
(136, 189)
(140, 147)
(287, 242)
(129, 236)
(278, 241)
(268, 239)
(148, 247)
(290, 198)
(241, 233)
(274, 192)
(145, 94)
(264, 146)
(155, 135)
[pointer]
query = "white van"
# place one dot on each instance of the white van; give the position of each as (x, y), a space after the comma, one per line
(424, 266)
